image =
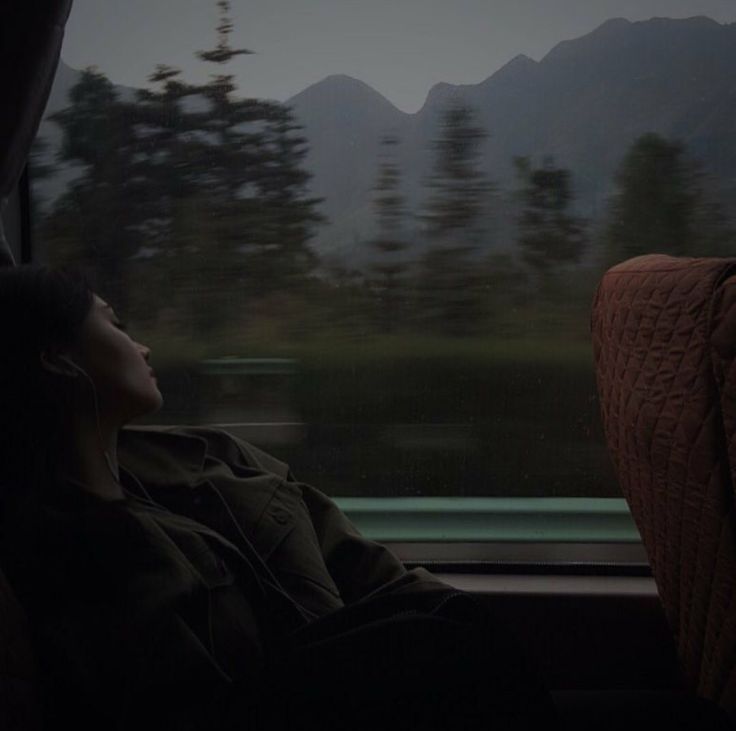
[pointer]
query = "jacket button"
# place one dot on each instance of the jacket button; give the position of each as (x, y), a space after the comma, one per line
(280, 515)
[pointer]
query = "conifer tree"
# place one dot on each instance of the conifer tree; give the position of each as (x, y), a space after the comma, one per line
(96, 223)
(239, 163)
(550, 237)
(202, 192)
(656, 202)
(458, 191)
(390, 265)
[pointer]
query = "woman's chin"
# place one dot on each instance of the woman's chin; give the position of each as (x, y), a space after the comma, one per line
(146, 405)
(157, 402)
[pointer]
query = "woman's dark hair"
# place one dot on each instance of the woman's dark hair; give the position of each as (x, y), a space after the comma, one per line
(41, 310)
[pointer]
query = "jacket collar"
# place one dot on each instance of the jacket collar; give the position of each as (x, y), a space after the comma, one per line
(159, 456)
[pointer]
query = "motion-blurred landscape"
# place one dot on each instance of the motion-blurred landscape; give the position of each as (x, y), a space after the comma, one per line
(396, 304)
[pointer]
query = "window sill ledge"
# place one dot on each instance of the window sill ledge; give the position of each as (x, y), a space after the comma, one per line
(469, 520)
(569, 586)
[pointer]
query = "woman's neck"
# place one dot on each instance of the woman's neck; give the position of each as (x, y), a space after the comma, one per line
(93, 462)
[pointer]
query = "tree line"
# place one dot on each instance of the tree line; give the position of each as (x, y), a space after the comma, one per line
(192, 205)
(661, 203)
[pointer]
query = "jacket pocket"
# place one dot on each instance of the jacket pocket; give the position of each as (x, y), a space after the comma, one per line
(296, 559)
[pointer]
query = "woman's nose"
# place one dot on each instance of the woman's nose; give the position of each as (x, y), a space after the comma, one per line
(145, 351)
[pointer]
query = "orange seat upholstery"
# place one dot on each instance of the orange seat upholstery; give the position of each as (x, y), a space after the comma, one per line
(664, 337)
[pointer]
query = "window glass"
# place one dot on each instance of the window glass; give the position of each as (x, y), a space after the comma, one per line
(366, 236)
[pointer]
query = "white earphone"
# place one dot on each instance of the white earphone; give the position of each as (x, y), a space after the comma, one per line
(76, 367)
(81, 370)
(108, 461)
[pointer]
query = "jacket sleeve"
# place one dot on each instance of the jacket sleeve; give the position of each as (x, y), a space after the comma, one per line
(360, 567)
(113, 626)
(90, 683)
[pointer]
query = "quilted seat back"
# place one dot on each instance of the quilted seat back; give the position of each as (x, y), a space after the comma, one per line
(664, 339)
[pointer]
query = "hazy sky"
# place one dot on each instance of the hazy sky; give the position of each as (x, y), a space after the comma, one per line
(400, 47)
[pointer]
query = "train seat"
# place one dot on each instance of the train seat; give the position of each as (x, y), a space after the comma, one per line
(664, 339)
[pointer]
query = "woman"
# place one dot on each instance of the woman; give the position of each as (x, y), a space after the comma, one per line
(177, 578)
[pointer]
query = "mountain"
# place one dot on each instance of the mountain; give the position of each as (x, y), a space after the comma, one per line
(343, 119)
(65, 78)
(584, 103)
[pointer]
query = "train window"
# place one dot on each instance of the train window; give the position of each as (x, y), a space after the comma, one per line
(366, 236)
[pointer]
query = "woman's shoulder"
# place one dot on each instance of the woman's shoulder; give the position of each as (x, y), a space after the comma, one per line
(189, 445)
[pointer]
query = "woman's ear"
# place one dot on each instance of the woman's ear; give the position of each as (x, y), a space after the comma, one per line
(59, 364)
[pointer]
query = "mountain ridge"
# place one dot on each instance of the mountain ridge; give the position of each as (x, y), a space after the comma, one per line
(583, 103)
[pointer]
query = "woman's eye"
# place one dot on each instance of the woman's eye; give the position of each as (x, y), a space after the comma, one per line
(121, 326)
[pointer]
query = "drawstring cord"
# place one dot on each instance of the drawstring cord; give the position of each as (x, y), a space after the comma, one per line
(271, 580)
(253, 557)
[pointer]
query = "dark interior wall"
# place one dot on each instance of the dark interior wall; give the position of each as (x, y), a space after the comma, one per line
(591, 642)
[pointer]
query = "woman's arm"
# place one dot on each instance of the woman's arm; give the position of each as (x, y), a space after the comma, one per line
(359, 566)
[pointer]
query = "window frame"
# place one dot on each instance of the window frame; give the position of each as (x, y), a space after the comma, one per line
(16, 220)
(540, 536)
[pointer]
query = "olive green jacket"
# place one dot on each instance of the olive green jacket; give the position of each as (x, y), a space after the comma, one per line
(316, 553)
(131, 607)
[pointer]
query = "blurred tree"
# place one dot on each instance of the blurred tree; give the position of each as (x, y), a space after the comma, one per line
(95, 223)
(40, 164)
(457, 187)
(450, 283)
(549, 236)
(237, 166)
(390, 265)
(659, 205)
(41, 167)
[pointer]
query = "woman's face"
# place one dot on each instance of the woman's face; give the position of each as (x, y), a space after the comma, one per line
(118, 365)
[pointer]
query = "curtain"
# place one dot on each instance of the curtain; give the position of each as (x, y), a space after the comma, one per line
(31, 32)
